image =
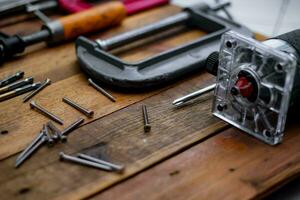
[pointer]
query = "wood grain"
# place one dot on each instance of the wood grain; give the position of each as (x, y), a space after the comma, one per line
(230, 165)
(22, 123)
(118, 137)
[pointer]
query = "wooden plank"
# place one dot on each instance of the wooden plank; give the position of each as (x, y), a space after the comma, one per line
(118, 137)
(230, 165)
(22, 124)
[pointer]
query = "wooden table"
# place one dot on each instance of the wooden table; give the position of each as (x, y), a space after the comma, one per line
(189, 154)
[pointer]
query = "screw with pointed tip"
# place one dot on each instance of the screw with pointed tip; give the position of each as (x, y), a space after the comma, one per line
(34, 105)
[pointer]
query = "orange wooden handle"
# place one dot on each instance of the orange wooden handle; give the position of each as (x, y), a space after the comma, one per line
(93, 19)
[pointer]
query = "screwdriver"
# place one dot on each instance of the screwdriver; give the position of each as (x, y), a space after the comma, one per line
(65, 28)
(16, 85)
(19, 91)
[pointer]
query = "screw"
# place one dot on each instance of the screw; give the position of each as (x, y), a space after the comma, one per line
(86, 112)
(44, 84)
(56, 132)
(83, 162)
(72, 127)
(25, 151)
(30, 151)
(147, 126)
(50, 140)
(45, 112)
(115, 167)
(105, 93)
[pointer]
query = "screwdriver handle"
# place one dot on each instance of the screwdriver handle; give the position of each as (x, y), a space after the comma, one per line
(93, 19)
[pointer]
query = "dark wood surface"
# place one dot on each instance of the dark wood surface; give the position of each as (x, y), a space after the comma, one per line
(187, 154)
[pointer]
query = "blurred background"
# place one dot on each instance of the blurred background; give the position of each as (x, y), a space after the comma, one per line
(269, 17)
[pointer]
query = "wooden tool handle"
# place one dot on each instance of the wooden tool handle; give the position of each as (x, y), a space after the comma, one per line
(93, 19)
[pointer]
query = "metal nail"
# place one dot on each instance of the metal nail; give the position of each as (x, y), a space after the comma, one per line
(86, 112)
(180, 101)
(84, 162)
(45, 112)
(147, 126)
(30, 151)
(50, 140)
(44, 84)
(36, 139)
(102, 162)
(72, 127)
(104, 92)
(56, 132)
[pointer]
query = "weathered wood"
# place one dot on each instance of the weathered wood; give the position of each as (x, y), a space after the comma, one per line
(231, 165)
(118, 137)
(22, 123)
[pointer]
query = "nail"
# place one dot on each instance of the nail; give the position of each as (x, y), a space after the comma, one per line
(30, 151)
(147, 126)
(191, 96)
(86, 112)
(32, 94)
(102, 162)
(45, 112)
(83, 162)
(56, 132)
(50, 140)
(104, 92)
(72, 127)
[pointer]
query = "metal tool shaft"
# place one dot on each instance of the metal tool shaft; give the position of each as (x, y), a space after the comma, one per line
(84, 162)
(45, 112)
(72, 127)
(19, 91)
(12, 78)
(102, 162)
(16, 85)
(86, 112)
(105, 93)
(148, 30)
(57, 133)
(193, 95)
(44, 84)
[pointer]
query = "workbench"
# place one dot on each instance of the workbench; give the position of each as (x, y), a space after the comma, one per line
(188, 154)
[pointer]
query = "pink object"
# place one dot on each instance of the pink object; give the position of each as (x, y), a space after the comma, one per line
(132, 6)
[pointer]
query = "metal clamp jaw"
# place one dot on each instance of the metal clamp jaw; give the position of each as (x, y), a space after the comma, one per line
(102, 66)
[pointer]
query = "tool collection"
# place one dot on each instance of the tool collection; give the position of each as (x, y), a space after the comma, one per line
(256, 82)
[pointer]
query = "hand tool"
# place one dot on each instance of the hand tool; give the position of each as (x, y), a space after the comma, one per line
(34, 105)
(115, 167)
(72, 127)
(19, 91)
(16, 85)
(12, 78)
(131, 6)
(71, 26)
(256, 83)
(182, 100)
(86, 112)
(100, 89)
(26, 155)
(33, 93)
(102, 66)
(84, 162)
(147, 126)
(65, 28)
(56, 132)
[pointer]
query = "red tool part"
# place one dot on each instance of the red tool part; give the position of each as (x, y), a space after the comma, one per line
(131, 6)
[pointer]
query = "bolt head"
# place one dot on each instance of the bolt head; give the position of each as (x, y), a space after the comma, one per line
(61, 155)
(147, 128)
